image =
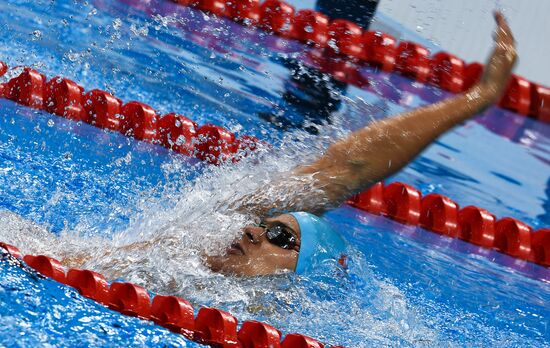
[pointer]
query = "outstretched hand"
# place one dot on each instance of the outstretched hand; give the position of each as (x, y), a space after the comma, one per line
(501, 62)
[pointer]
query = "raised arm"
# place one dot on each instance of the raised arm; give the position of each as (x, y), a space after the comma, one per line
(382, 148)
(379, 150)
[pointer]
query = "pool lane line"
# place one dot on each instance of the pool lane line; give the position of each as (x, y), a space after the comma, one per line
(439, 214)
(65, 98)
(352, 46)
(211, 326)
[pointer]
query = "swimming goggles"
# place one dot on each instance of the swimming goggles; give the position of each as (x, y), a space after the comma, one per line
(280, 236)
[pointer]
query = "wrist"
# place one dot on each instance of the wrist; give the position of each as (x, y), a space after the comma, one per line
(482, 94)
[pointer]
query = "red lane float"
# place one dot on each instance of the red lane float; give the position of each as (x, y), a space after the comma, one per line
(27, 89)
(413, 61)
(46, 266)
(245, 11)
(447, 72)
(216, 7)
(64, 98)
(12, 250)
(477, 226)
(3, 68)
(130, 299)
(300, 341)
(518, 96)
(513, 237)
(103, 110)
(379, 50)
(216, 328)
(540, 246)
(472, 72)
(540, 102)
(215, 144)
(140, 121)
(89, 284)
(371, 200)
(277, 17)
(3, 86)
(439, 214)
(344, 71)
(211, 326)
(177, 132)
(345, 38)
(402, 203)
(312, 27)
(173, 313)
(248, 143)
(254, 334)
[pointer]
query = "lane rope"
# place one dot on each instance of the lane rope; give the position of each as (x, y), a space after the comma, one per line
(211, 326)
(65, 98)
(440, 214)
(354, 46)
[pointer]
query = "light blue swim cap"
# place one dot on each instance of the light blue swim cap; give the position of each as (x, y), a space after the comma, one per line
(318, 242)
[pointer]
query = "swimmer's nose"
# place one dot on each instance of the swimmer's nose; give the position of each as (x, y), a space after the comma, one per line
(253, 234)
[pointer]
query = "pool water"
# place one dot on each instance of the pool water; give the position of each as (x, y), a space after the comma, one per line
(405, 286)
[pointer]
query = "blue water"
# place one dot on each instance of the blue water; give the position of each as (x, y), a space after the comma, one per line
(405, 286)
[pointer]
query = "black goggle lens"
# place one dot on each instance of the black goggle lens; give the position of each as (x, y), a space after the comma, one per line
(279, 236)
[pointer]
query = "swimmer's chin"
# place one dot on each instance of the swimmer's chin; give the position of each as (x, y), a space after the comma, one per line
(231, 265)
(214, 263)
(225, 265)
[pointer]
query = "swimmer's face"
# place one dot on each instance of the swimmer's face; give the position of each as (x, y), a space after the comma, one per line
(257, 253)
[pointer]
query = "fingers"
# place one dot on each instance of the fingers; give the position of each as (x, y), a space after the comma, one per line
(499, 18)
(504, 33)
(501, 62)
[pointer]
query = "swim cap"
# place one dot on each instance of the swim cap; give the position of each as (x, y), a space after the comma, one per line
(318, 242)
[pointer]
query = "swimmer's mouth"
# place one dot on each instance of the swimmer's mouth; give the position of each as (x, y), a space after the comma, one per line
(235, 249)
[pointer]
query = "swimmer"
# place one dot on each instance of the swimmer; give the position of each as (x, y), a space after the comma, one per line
(300, 240)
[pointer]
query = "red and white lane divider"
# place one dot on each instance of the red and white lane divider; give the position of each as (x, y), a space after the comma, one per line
(440, 214)
(352, 45)
(66, 98)
(211, 326)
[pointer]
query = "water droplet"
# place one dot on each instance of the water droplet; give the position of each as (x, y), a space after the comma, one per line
(143, 31)
(117, 23)
(36, 35)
